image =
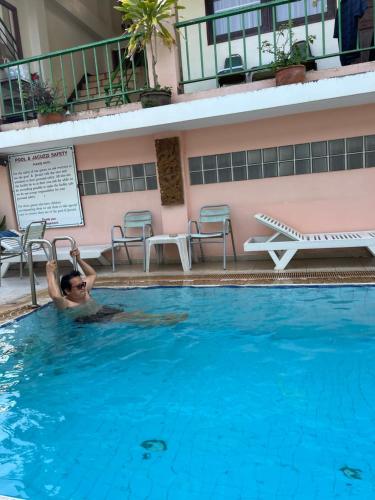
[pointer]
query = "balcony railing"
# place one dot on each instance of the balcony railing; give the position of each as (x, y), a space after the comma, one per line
(231, 40)
(212, 47)
(87, 77)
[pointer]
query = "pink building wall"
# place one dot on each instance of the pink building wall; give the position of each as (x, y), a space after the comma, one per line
(6, 199)
(331, 201)
(102, 211)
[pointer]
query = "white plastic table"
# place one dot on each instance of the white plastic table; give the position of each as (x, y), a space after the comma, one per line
(163, 239)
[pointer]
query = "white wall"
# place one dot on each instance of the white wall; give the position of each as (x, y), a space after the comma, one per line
(74, 22)
(70, 33)
(48, 25)
(53, 25)
(33, 26)
(196, 8)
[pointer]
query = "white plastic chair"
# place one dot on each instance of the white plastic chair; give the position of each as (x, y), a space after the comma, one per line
(140, 220)
(286, 241)
(211, 214)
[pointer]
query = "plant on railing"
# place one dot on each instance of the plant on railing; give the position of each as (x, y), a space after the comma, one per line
(284, 50)
(45, 98)
(287, 52)
(147, 21)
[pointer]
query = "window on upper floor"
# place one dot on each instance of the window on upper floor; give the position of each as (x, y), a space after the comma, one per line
(234, 24)
(297, 10)
(250, 22)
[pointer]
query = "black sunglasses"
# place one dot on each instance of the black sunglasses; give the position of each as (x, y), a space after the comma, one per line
(81, 286)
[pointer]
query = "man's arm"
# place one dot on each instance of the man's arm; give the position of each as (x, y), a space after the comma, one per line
(53, 287)
(86, 268)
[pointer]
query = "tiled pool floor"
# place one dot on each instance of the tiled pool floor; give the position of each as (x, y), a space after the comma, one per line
(260, 393)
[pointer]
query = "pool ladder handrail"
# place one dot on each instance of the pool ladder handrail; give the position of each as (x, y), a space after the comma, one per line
(73, 245)
(52, 255)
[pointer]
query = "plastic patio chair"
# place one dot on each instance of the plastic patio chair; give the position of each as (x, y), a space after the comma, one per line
(16, 246)
(136, 228)
(232, 72)
(303, 48)
(209, 215)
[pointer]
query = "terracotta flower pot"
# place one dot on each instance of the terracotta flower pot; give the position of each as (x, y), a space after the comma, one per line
(151, 98)
(291, 74)
(49, 118)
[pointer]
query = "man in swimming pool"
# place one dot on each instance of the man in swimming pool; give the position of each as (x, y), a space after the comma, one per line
(77, 302)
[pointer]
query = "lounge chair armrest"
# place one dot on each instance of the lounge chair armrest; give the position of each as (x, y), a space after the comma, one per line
(12, 238)
(16, 239)
(113, 232)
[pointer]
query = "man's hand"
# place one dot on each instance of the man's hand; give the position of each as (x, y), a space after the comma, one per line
(51, 266)
(86, 268)
(75, 253)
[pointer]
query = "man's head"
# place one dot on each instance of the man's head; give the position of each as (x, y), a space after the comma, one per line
(72, 284)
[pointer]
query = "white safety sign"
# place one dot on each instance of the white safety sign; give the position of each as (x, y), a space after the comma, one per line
(45, 187)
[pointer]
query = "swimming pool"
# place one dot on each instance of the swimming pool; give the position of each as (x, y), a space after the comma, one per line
(263, 393)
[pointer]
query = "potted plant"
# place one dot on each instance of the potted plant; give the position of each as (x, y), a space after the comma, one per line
(45, 98)
(288, 55)
(147, 21)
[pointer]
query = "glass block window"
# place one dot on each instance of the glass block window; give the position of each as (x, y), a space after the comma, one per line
(295, 159)
(122, 179)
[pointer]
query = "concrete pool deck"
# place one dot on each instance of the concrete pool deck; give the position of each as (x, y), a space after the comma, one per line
(15, 298)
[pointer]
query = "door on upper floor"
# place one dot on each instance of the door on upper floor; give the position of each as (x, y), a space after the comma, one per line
(10, 40)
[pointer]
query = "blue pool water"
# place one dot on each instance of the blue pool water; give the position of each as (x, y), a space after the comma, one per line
(263, 393)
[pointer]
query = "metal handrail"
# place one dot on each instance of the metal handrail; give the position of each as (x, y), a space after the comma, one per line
(109, 87)
(73, 245)
(64, 52)
(61, 69)
(182, 28)
(52, 255)
(200, 40)
(29, 244)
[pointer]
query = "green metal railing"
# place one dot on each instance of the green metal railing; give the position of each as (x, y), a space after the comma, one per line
(82, 74)
(113, 97)
(204, 50)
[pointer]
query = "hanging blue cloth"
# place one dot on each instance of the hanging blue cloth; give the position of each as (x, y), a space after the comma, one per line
(350, 12)
(8, 234)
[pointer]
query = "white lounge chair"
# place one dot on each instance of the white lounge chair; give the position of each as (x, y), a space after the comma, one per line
(14, 248)
(63, 254)
(286, 241)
